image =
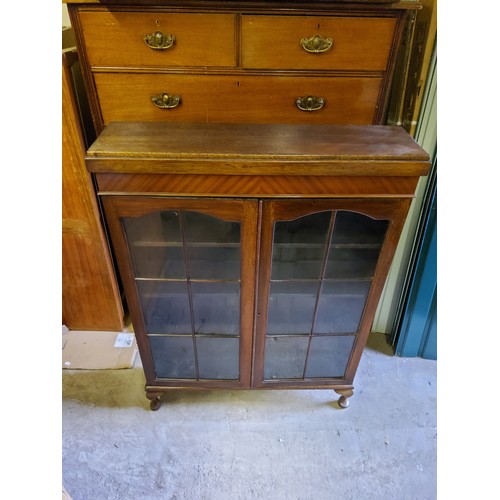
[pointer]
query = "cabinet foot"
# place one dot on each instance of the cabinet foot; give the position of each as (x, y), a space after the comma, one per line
(343, 402)
(154, 397)
(344, 395)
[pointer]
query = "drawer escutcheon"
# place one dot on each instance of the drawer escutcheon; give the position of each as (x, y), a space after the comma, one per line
(159, 41)
(166, 101)
(316, 44)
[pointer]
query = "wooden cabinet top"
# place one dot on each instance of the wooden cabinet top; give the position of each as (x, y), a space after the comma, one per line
(404, 4)
(250, 149)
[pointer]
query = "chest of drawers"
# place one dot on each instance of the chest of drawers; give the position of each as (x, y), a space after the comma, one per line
(254, 197)
(239, 62)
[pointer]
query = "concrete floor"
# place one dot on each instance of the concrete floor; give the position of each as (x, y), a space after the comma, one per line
(244, 445)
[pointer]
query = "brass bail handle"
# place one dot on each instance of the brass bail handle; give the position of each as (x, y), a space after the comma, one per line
(310, 103)
(166, 101)
(316, 44)
(159, 41)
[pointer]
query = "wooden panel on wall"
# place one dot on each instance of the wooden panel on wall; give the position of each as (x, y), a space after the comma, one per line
(91, 299)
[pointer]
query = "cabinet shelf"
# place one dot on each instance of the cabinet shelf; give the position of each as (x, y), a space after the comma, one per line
(208, 244)
(185, 280)
(196, 335)
(179, 244)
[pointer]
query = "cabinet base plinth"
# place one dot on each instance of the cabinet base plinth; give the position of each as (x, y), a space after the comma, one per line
(343, 401)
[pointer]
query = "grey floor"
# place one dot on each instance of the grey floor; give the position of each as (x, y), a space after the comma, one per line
(266, 445)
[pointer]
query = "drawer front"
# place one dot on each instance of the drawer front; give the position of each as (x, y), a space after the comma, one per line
(232, 99)
(348, 43)
(117, 39)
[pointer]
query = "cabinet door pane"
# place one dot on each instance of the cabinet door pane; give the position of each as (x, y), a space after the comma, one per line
(356, 263)
(165, 306)
(173, 357)
(340, 306)
(285, 357)
(291, 307)
(214, 262)
(299, 247)
(155, 245)
(328, 356)
(353, 227)
(216, 308)
(213, 247)
(218, 358)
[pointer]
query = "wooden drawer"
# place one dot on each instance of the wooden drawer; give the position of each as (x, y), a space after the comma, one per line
(358, 43)
(117, 39)
(237, 99)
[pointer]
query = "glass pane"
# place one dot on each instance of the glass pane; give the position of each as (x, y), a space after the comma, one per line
(218, 358)
(328, 356)
(161, 261)
(291, 307)
(214, 262)
(173, 357)
(352, 227)
(285, 357)
(299, 247)
(340, 306)
(165, 306)
(352, 263)
(216, 308)
(155, 245)
(203, 228)
(213, 247)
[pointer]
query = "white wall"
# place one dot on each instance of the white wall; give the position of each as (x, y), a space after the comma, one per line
(65, 16)
(426, 136)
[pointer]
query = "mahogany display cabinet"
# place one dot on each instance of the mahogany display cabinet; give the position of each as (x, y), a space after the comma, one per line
(253, 256)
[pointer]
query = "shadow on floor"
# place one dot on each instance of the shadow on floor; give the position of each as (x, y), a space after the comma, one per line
(105, 388)
(379, 342)
(125, 389)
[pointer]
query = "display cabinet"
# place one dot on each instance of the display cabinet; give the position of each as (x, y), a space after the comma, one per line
(253, 256)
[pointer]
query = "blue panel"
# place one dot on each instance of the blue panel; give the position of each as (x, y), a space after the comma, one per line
(418, 333)
(429, 347)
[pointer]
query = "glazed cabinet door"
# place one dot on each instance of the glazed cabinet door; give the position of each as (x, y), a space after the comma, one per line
(322, 268)
(188, 267)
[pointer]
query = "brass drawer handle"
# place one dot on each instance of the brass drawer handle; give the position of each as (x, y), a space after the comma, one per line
(316, 44)
(310, 103)
(159, 41)
(166, 101)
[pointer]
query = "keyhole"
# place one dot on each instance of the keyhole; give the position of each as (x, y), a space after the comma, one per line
(318, 27)
(157, 22)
